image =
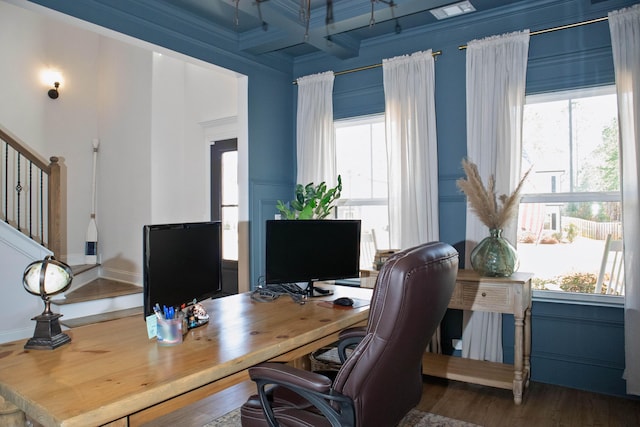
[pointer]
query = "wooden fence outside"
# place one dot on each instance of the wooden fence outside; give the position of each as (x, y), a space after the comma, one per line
(595, 230)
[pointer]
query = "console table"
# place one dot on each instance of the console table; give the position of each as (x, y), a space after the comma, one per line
(511, 295)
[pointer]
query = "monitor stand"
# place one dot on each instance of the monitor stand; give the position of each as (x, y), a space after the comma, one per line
(313, 292)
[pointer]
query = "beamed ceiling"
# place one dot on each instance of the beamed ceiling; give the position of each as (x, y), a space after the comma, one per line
(336, 27)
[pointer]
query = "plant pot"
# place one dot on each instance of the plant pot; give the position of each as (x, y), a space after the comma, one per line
(494, 256)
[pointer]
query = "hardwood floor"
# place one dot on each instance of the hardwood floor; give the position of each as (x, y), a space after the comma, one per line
(199, 413)
(544, 405)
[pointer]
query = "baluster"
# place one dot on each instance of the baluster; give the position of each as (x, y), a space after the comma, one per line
(6, 183)
(18, 191)
(41, 208)
(30, 201)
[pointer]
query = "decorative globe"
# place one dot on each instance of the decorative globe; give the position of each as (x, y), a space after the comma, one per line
(45, 278)
(57, 277)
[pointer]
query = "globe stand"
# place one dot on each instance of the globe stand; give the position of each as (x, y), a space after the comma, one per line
(45, 278)
(48, 335)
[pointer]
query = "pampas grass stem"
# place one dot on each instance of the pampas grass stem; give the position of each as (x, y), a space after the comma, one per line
(484, 201)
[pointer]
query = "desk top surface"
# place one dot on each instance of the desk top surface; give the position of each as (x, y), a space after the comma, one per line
(112, 369)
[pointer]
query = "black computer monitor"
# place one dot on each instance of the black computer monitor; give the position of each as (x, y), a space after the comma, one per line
(182, 263)
(311, 250)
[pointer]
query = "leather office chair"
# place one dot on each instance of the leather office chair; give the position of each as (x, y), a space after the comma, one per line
(381, 381)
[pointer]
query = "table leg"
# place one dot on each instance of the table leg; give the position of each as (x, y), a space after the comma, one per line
(527, 345)
(10, 414)
(518, 359)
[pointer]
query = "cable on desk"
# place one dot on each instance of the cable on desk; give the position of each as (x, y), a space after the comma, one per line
(271, 292)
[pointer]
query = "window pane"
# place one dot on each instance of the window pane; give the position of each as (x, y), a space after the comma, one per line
(571, 140)
(230, 233)
(375, 229)
(564, 244)
(230, 178)
(229, 208)
(361, 160)
(379, 179)
(572, 145)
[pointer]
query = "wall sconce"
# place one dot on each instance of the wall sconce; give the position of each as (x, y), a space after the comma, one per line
(53, 93)
(52, 78)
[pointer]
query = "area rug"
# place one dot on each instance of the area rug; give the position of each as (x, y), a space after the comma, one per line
(414, 418)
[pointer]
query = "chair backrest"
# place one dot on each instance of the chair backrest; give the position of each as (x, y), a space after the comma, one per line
(383, 376)
(611, 275)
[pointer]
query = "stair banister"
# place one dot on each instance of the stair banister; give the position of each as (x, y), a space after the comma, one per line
(54, 213)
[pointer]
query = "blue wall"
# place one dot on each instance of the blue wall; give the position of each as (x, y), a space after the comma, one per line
(578, 346)
(573, 345)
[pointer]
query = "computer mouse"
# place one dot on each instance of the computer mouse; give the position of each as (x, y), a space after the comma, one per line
(343, 301)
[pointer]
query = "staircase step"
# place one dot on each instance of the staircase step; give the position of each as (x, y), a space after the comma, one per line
(103, 317)
(99, 288)
(78, 269)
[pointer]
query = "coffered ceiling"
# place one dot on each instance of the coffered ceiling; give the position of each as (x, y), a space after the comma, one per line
(300, 27)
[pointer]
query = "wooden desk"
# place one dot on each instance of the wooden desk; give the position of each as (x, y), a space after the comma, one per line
(495, 294)
(112, 374)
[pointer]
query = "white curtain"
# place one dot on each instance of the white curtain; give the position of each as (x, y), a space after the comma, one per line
(496, 74)
(316, 145)
(625, 42)
(412, 153)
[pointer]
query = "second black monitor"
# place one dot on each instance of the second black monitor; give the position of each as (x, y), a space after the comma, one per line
(311, 250)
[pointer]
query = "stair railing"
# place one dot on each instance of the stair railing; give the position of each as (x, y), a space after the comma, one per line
(31, 192)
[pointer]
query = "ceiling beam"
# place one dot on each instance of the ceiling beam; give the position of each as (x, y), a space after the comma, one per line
(357, 14)
(284, 24)
(284, 17)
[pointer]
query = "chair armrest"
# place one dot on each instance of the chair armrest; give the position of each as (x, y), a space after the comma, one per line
(284, 374)
(316, 388)
(358, 331)
(349, 338)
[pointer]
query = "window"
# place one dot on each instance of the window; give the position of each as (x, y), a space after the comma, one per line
(224, 194)
(361, 161)
(571, 205)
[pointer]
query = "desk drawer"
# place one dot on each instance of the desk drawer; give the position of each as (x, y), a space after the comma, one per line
(482, 297)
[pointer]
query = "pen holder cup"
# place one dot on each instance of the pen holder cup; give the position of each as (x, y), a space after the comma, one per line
(170, 331)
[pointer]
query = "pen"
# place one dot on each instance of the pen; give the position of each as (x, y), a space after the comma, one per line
(156, 309)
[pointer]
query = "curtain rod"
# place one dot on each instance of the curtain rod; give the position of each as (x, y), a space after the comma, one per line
(367, 67)
(463, 47)
(561, 27)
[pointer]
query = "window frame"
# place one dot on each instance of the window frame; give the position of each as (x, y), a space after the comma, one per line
(342, 202)
(576, 298)
(360, 120)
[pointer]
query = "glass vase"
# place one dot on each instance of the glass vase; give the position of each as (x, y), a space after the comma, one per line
(494, 256)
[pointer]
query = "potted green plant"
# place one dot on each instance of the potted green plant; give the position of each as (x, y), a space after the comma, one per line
(311, 201)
